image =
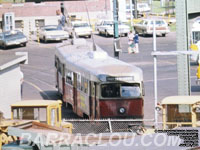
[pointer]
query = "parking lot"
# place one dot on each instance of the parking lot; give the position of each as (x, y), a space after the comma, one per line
(39, 74)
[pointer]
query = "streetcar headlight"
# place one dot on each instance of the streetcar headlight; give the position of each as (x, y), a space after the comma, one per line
(122, 110)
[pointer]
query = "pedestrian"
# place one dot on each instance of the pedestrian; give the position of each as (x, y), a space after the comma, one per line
(61, 19)
(131, 42)
(136, 41)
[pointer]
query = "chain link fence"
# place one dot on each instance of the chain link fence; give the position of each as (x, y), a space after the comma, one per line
(106, 126)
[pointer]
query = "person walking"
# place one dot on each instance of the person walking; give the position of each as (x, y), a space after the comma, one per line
(61, 19)
(136, 41)
(131, 42)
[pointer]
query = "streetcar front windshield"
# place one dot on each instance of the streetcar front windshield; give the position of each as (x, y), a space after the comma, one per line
(120, 90)
(195, 36)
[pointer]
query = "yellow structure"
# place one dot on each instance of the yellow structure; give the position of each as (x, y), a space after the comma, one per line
(180, 111)
(44, 111)
(198, 72)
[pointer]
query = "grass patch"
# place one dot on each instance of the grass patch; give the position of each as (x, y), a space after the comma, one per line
(156, 8)
(172, 27)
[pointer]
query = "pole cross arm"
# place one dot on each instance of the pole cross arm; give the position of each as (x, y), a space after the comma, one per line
(175, 53)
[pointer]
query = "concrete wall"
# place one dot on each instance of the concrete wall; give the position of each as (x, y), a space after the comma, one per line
(10, 89)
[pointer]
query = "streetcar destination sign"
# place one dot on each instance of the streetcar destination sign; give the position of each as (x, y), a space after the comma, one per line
(130, 78)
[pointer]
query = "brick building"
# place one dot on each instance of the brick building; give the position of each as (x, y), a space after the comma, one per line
(45, 12)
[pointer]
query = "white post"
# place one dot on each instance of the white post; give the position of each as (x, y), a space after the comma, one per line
(155, 74)
(131, 11)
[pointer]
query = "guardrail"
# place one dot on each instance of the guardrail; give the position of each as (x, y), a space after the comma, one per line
(85, 126)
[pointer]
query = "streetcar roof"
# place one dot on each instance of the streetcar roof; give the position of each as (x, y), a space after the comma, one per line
(97, 65)
(181, 100)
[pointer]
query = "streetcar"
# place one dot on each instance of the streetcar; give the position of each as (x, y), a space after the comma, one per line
(96, 85)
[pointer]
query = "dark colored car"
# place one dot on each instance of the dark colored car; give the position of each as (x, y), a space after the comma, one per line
(11, 38)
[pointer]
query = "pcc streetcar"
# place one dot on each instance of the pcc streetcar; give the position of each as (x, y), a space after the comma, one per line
(97, 85)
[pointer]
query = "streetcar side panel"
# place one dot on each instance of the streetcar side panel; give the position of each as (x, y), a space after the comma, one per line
(60, 71)
(83, 101)
(69, 81)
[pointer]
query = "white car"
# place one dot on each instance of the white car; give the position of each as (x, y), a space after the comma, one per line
(52, 33)
(106, 27)
(81, 28)
(145, 27)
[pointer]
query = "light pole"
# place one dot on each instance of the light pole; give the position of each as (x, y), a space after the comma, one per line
(116, 33)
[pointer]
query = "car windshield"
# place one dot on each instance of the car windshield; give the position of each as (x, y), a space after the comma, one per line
(77, 25)
(51, 29)
(108, 23)
(142, 5)
(158, 22)
(11, 34)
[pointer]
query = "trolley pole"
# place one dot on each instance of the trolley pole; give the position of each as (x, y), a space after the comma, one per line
(116, 33)
(155, 75)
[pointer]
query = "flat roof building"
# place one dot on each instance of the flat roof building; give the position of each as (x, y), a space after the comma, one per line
(10, 80)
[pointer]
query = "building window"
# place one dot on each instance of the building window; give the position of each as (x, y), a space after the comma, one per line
(1, 27)
(18, 24)
(40, 22)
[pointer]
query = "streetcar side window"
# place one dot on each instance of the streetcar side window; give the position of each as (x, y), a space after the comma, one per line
(84, 85)
(78, 81)
(56, 62)
(59, 67)
(69, 77)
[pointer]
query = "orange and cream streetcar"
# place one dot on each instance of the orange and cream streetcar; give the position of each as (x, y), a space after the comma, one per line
(97, 85)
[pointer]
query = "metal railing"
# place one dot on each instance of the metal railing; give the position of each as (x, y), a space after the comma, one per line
(85, 126)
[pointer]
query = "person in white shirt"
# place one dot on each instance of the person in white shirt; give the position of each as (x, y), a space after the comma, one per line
(131, 42)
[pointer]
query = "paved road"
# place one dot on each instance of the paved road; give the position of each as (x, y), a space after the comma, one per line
(40, 75)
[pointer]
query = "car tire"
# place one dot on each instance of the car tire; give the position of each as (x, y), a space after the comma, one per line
(143, 34)
(44, 39)
(4, 47)
(89, 36)
(136, 32)
(24, 44)
(125, 34)
(106, 33)
(163, 35)
(197, 60)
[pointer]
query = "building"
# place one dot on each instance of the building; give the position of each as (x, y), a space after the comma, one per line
(10, 76)
(27, 14)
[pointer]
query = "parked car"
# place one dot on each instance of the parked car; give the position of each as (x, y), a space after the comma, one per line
(11, 38)
(81, 28)
(106, 27)
(52, 33)
(145, 27)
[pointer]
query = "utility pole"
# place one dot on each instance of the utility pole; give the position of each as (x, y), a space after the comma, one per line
(116, 33)
(135, 9)
(131, 11)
